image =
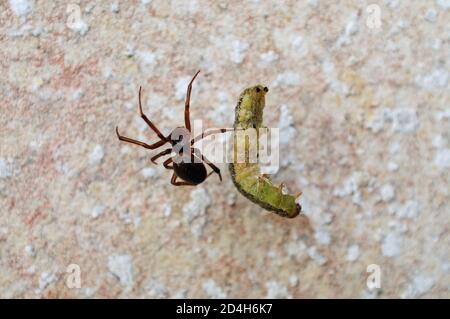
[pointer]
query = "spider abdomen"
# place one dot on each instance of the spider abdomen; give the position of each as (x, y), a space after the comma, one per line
(194, 173)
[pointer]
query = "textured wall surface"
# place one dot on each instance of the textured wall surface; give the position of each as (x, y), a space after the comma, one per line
(363, 105)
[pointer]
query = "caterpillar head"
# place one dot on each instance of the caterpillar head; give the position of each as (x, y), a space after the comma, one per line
(251, 106)
(257, 92)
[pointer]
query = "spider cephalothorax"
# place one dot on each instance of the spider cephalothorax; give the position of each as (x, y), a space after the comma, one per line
(187, 161)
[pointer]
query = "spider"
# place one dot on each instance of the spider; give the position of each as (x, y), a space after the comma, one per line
(187, 163)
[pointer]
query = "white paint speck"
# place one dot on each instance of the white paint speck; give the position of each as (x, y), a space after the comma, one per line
(295, 249)
(77, 94)
(181, 87)
(65, 169)
(276, 291)
(115, 7)
(130, 51)
(332, 78)
(269, 57)
(180, 294)
(404, 120)
(409, 209)
(288, 78)
(299, 45)
(394, 147)
(6, 167)
(121, 266)
(439, 141)
(444, 115)
(370, 294)
(293, 280)
(36, 143)
(442, 159)
(391, 246)
(351, 28)
(238, 49)
(97, 211)
(392, 3)
(376, 124)
(96, 155)
(437, 44)
(21, 8)
(313, 3)
(353, 253)
(200, 200)
(107, 72)
(146, 57)
(231, 198)
(392, 166)
(194, 210)
(79, 25)
(149, 172)
(45, 280)
(431, 15)
(89, 291)
(286, 125)
(436, 79)
(31, 269)
(146, 2)
(316, 256)
(353, 186)
(213, 290)
(167, 211)
(30, 251)
(130, 218)
(398, 226)
(387, 193)
(420, 285)
(89, 7)
(322, 237)
(3, 233)
(156, 289)
(444, 4)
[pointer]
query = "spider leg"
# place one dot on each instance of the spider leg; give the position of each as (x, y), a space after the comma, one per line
(211, 132)
(132, 141)
(209, 174)
(167, 162)
(174, 181)
(203, 158)
(165, 152)
(187, 121)
(149, 123)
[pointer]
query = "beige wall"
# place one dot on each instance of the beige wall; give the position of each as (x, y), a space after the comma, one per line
(364, 114)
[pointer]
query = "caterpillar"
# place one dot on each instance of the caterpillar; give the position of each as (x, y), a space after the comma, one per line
(246, 175)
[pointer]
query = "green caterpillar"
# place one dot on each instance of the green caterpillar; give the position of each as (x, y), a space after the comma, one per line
(247, 176)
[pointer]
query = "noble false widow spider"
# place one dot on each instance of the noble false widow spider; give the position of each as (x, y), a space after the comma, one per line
(187, 163)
